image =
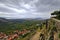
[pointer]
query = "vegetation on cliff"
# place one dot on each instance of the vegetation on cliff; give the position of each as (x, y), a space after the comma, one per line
(57, 14)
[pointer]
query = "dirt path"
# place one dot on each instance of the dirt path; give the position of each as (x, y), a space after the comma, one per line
(36, 36)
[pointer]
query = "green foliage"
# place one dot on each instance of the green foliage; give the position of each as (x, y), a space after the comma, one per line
(31, 25)
(57, 13)
(25, 35)
(59, 35)
(10, 26)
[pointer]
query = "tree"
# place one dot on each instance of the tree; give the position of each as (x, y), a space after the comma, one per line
(57, 13)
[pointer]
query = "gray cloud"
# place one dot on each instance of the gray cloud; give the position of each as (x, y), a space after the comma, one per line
(6, 10)
(23, 8)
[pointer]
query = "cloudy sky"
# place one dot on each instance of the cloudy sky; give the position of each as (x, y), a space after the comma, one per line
(12, 9)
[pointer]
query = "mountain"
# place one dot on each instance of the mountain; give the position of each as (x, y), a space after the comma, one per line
(16, 20)
(3, 20)
(38, 19)
(19, 20)
(34, 19)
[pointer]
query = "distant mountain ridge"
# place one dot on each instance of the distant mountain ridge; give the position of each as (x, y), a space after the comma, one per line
(3, 20)
(18, 20)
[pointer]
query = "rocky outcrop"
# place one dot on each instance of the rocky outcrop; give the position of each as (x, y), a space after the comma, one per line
(54, 28)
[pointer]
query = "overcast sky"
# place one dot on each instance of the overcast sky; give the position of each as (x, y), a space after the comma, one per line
(12, 9)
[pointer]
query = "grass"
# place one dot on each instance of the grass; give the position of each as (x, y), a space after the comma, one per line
(27, 37)
(59, 35)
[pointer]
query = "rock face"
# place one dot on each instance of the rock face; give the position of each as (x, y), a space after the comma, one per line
(54, 26)
(53, 30)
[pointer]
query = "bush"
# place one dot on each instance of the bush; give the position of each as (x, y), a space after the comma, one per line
(59, 35)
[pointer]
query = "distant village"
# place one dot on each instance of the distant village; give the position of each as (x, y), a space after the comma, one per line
(14, 35)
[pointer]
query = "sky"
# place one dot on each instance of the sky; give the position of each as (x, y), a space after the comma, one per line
(16, 9)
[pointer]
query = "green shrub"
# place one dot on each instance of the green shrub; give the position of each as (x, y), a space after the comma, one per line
(59, 35)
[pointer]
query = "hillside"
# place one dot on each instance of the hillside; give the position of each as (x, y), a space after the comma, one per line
(48, 29)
